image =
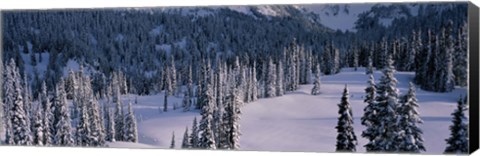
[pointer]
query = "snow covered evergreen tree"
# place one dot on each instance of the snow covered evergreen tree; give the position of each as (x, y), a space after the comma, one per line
(346, 139)
(186, 141)
(119, 119)
(172, 76)
(46, 106)
(131, 132)
(194, 135)
(458, 142)
(410, 135)
(38, 127)
(63, 129)
(279, 84)
(110, 131)
(20, 128)
(369, 69)
(446, 81)
(387, 103)
(327, 59)
(271, 80)
(83, 131)
(186, 102)
(207, 138)
(254, 82)
(316, 83)
(234, 112)
(460, 57)
(369, 118)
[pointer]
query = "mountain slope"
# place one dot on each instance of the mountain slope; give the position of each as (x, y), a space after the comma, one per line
(299, 121)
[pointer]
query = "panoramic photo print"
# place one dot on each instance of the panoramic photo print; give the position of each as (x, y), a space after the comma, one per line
(356, 77)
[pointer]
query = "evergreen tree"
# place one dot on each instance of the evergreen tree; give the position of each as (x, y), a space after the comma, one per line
(234, 119)
(47, 116)
(186, 141)
(457, 143)
(279, 83)
(20, 126)
(131, 132)
(387, 103)
(9, 90)
(316, 83)
(410, 135)
(186, 102)
(271, 80)
(63, 129)
(194, 136)
(83, 131)
(346, 139)
(327, 60)
(355, 59)
(110, 135)
(308, 68)
(254, 82)
(189, 82)
(165, 102)
(38, 127)
(207, 138)
(172, 76)
(172, 143)
(369, 118)
(336, 61)
(460, 57)
(370, 66)
(119, 120)
(445, 71)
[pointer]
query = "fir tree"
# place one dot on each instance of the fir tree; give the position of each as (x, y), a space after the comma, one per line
(83, 131)
(370, 66)
(119, 122)
(234, 125)
(194, 136)
(445, 71)
(110, 136)
(346, 139)
(369, 118)
(186, 102)
(410, 135)
(460, 57)
(63, 129)
(165, 102)
(280, 75)
(172, 143)
(47, 116)
(254, 82)
(20, 128)
(186, 141)
(131, 132)
(271, 80)
(387, 103)
(207, 138)
(316, 83)
(457, 143)
(38, 127)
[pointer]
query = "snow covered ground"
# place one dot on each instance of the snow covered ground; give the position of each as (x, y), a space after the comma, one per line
(297, 121)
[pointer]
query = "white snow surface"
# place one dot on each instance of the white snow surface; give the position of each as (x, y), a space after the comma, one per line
(296, 121)
(341, 20)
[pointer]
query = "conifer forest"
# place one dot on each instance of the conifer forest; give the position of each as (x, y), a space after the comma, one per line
(373, 77)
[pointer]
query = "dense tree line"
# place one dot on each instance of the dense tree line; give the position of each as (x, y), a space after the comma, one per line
(50, 120)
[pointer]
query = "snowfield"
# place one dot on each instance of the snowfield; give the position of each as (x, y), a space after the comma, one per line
(296, 121)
